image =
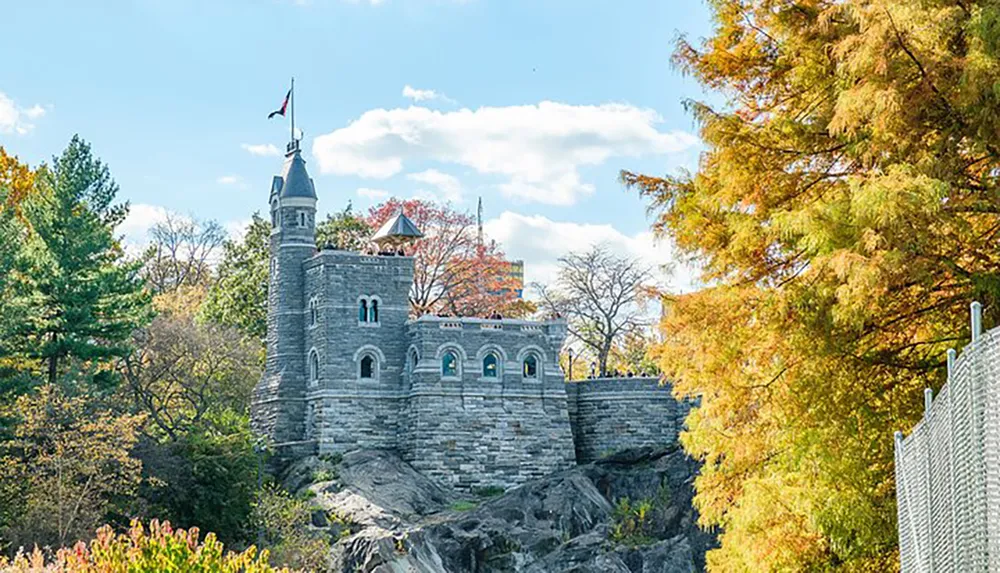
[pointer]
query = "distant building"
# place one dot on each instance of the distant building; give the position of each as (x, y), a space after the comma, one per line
(517, 275)
(516, 267)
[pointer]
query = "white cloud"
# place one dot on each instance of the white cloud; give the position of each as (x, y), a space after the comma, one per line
(540, 242)
(448, 188)
(262, 149)
(34, 112)
(418, 95)
(237, 229)
(134, 230)
(537, 149)
(424, 95)
(13, 119)
(373, 194)
(232, 181)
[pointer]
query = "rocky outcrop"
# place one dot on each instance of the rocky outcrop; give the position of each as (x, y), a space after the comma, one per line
(627, 513)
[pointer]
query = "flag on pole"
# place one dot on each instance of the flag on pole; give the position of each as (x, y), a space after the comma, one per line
(284, 106)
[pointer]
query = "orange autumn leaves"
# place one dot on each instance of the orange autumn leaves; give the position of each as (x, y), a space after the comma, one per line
(16, 181)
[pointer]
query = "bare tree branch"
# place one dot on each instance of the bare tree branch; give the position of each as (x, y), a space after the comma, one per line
(600, 295)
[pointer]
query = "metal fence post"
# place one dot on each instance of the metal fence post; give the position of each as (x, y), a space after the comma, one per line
(929, 492)
(906, 495)
(976, 309)
(951, 457)
(901, 508)
(976, 435)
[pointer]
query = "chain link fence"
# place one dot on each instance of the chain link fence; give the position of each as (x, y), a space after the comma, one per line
(948, 468)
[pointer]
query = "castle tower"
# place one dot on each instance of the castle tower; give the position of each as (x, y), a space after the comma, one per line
(279, 403)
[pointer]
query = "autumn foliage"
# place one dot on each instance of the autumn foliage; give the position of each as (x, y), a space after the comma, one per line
(454, 273)
(159, 549)
(16, 179)
(846, 212)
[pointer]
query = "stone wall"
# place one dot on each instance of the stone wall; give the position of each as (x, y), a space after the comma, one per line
(344, 410)
(611, 414)
(475, 431)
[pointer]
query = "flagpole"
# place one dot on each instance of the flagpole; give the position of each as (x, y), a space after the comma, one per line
(293, 109)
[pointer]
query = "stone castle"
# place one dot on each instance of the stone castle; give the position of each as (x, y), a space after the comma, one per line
(469, 402)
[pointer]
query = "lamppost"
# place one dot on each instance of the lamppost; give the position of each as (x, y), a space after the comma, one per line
(570, 351)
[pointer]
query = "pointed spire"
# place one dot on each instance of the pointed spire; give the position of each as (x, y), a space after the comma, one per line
(295, 179)
(479, 221)
(397, 231)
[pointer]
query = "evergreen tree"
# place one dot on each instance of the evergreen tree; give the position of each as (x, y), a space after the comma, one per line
(16, 183)
(83, 298)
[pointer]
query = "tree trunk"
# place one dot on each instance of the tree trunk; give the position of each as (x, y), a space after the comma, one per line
(53, 365)
(602, 358)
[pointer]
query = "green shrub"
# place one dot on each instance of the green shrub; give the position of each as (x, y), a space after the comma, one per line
(207, 477)
(630, 522)
(334, 458)
(464, 505)
(489, 491)
(324, 475)
(284, 523)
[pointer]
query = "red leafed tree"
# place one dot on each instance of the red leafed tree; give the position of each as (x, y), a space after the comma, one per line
(454, 273)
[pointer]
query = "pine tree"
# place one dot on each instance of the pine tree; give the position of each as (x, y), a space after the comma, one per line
(16, 183)
(84, 299)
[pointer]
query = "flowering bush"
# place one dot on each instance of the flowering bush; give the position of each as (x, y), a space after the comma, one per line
(161, 549)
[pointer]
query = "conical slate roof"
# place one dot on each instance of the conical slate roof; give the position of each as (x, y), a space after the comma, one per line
(296, 181)
(397, 229)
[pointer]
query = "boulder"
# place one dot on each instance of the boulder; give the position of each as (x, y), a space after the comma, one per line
(570, 521)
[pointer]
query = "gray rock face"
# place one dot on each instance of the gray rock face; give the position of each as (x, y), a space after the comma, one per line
(397, 520)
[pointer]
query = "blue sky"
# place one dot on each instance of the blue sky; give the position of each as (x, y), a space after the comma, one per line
(533, 105)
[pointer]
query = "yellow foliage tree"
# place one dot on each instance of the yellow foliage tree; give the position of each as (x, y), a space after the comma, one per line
(845, 212)
(16, 181)
(63, 467)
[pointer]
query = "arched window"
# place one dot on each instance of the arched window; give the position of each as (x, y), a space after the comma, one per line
(313, 367)
(449, 365)
(414, 358)
(491, 368)
(531, 366)
(313, 311)
(363, 311)
(302, 218)
(373, 311)
(368, 367)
